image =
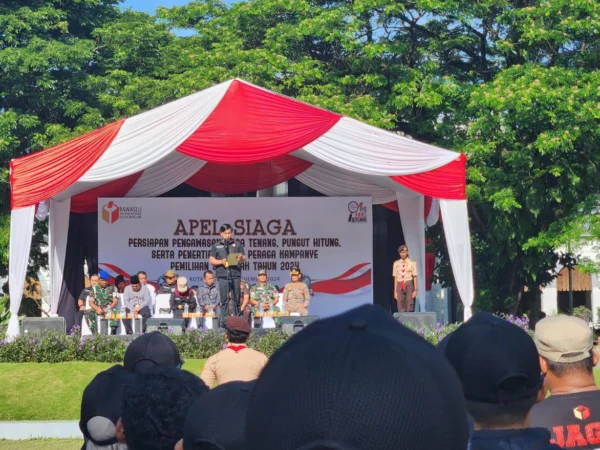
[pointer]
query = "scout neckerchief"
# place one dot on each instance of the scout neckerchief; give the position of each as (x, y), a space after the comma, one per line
(402, 272)
(237, 348)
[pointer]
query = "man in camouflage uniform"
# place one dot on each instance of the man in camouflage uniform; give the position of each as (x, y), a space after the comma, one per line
(296, 296)
(87, 292)
(104, 298)
(264, 294)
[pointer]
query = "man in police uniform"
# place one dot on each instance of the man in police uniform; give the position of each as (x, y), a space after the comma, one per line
(103, 300)
(170, 283)
(208, 295)
(296, 296)
(87, 292)
(265, 295)
(228, 277)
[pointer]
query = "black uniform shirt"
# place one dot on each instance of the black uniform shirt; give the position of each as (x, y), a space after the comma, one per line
(220, 250)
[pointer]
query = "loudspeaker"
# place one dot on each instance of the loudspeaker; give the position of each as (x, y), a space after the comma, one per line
(293, 324)
(37, 324)
(417, 319)
(173, 326)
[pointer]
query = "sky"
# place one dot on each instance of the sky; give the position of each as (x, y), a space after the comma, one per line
(150, 5)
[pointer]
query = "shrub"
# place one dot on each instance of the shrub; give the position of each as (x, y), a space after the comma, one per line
(436, 334)
(55, 347)
(269, 343)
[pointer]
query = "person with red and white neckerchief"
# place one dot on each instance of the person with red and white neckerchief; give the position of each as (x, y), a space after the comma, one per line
(236, 362)
(405, 281)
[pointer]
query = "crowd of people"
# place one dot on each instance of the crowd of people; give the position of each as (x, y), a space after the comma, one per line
(139, 298)
(359, 380)
(224, 293)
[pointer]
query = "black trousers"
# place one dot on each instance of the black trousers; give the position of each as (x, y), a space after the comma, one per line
(227, 285)
(144, 312)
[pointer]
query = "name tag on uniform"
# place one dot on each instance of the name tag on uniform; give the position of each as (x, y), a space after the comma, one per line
(220, 246)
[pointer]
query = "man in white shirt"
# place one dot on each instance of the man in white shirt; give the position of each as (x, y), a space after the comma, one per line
(144, 282)
(136, 299)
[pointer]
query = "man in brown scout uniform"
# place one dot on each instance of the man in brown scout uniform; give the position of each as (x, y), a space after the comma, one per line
(237, 362)
(296, 295)
(405, 281)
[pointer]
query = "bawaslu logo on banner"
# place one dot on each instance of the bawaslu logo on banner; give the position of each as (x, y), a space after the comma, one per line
(329, 238)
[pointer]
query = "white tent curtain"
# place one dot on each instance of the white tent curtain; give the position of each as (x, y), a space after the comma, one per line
(337, 184)
(434, 213)
(165, 175)
(361, 148)
(21, 232)
(58, 232)
(155, 134)
(455, 219)
(412, 218)
(42, 210)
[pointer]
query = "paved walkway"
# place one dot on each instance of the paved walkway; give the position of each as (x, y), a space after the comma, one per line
(60, 429)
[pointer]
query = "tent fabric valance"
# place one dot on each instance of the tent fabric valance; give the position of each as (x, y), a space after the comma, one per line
(233, 123)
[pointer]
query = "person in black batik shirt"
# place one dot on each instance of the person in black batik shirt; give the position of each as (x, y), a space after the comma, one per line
(228, 277)
(567, 359)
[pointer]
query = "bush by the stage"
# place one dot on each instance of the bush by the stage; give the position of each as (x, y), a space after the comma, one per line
(55, 347)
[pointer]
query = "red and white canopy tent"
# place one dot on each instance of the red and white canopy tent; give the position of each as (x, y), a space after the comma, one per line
(234, 138)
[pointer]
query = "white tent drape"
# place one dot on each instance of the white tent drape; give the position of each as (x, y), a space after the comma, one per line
(373, 151)
(58, 232)
(154, 134)
(42, 210)
(21, 232)
(434, 213)
(412, 218)
(167, 174)
(455, 219)
(335, 184)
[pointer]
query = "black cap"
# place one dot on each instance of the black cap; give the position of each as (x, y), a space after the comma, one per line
(101, 405)
(359, 380)
(217, 419)
(151, 350)
(495, 360)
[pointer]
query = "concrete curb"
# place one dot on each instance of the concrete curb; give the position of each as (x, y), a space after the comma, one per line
(58, 429)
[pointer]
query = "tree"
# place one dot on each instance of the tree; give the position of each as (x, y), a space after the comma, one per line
(511, 84)
(68, 67)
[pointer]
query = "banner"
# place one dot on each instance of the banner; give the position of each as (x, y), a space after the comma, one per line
(329, 238)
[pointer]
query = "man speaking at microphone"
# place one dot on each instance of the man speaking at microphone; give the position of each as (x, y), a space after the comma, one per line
(228, 275)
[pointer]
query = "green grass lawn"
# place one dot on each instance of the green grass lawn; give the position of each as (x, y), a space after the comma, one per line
(33, 391)
(42, 391)
(42, 444)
